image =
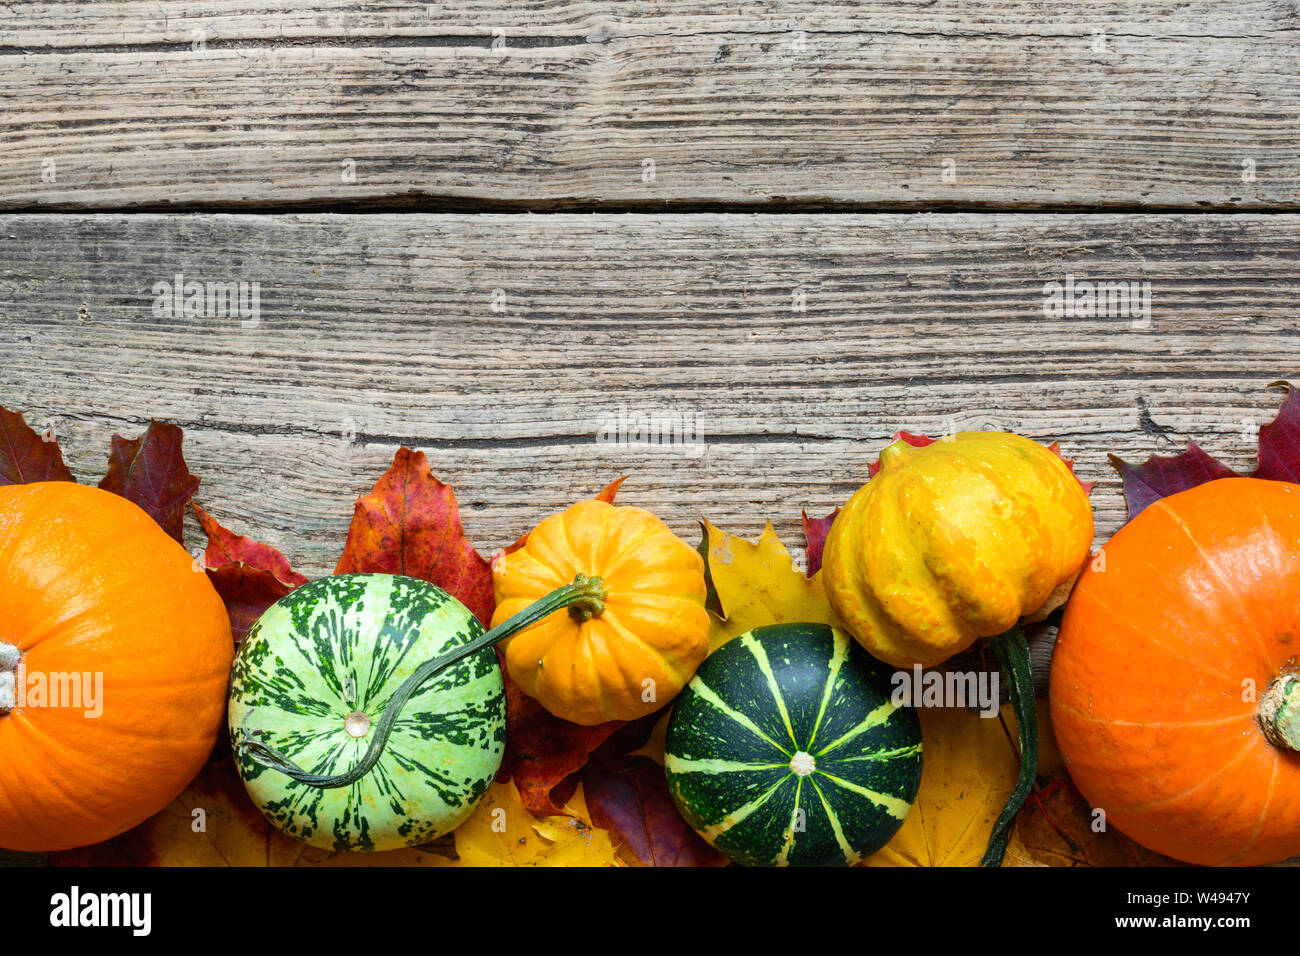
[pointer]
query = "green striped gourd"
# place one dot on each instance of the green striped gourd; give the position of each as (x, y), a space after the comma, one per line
(312, 679)
(786, 750)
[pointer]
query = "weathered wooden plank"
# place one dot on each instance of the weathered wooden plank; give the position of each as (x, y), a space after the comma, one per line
(373, 331)
(886, 104)
(119, 23)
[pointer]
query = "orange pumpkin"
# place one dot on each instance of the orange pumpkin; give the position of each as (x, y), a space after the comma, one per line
(91, 586)
(1172, 691)
(634, 655)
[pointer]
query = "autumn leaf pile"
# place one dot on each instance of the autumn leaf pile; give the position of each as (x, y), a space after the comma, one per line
(569, 795)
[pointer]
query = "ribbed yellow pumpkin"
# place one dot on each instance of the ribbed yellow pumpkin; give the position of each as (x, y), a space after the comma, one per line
(635, 652)
(955, 541)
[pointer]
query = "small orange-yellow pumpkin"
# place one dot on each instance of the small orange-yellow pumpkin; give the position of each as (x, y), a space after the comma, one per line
(641, 649)
(955, 541)
(91, 586)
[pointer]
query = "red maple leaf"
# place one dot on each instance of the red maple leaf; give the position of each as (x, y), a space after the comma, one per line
(150, 470)
(627, 794)
(815, 531)
(543, 751)
(410, 524)
(27, 456)
(1163, 475)
(249, 576)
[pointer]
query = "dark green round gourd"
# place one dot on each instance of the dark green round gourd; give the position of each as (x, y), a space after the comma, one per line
(786, 750)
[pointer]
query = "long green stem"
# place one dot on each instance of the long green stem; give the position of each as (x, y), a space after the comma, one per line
(1012, 651)
(585, 598)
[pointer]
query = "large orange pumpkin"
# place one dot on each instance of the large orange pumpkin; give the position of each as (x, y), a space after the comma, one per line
(1173, 671)
(91, 586)
(637, 652)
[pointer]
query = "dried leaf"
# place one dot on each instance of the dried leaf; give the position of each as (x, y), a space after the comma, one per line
(815, 531)
(150, 471)
(969, 769)
(247, 593)
(27, 456)
(226, 547)
(213, 823)
(410, 524)
(1160, 476)
(1057, 828)
(758, 584)
(1163, 475)
(1017, 854)
(1279, 441)
(628, 796)
(249, 576)
(543, 751)
(501, 832)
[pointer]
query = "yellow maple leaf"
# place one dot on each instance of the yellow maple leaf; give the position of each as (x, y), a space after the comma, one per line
(213, 823)
(502, 833)
(577, 806)
(758, 584)
(1018, 854)
(968, 770)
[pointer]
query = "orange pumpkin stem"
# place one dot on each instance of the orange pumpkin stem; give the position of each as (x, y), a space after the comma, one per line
(1279, 712)
(591, 602)
(9, 657)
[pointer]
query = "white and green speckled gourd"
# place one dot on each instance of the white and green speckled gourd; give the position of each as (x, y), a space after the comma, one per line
(386, 687)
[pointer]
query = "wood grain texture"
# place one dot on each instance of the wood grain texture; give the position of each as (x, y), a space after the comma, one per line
(801, 103)
(377, 331)
(41, 26)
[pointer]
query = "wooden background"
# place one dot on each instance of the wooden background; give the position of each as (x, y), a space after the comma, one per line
(459, 243)
(379, 330)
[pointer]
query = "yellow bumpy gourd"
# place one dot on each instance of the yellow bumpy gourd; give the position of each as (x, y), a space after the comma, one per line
(955, 541)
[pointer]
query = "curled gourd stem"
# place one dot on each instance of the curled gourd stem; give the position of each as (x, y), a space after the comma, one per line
(585, 593)
(1012, 651)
